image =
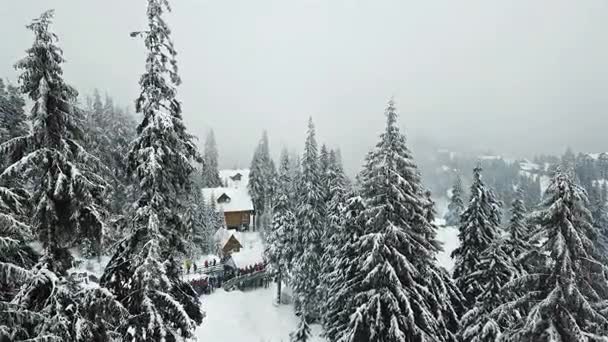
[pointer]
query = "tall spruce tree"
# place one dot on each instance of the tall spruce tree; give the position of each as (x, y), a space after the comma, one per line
(599, 215)
(565, 297)
(345, 271)
(324, 166)
(109, 132)
(479, 227)
(279, 251)
(335, 236)
(64, 190)
(67, 191)
(210, 174)
(495, 269)
(144, 273)
(12, 113)
(391, 296)
(516, 242)
(262, 177)
(307, 243)
(456, 205)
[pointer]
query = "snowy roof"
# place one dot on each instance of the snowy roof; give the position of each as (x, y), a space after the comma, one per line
(235, 178)
(235, 196)
(490, 157)
(234, 199)
(222, 236)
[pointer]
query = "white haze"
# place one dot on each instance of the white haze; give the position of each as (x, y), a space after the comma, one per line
(516, 77)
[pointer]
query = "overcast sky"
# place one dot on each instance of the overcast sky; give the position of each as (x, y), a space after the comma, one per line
(516, 76)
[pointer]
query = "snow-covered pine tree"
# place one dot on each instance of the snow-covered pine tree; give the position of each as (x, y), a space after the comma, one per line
(307, 243)
(602, 165)
(344, 277)
(12, 113)
(210, 174)
(278, 251)
(295, 170)
(516, 240)
(16, 256)
(144, 272)
(599, 214)
(389, 286)
(49, 305)
(262, 177)
(109, 131)
(199, 241)
(565, 297)
(335, 235)
(302, 333)
(324, 171)
(568, 161)
(67, 191)
(456, 205)
(479, 227)
(207, 229)
(493, 271)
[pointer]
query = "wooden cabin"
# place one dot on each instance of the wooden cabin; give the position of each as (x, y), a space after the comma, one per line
(227, 243)
(233, 199)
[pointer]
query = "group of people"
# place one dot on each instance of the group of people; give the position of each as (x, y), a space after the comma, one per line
(209, 281)
(188, 265)
(251, 269)
(206, 285)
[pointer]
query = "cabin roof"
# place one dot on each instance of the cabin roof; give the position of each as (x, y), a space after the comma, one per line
(236, 191)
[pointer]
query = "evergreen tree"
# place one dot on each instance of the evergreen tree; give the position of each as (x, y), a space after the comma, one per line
(67, 191)
(307, 243)
(16, 256)
(49, 305)
(456, 205)
(564, 299)
(585, 170)
(599, 215)
(302, 333)
(109, 132)
(344, 274)
(392, 296)
(262, 177)
(12, 113)
(199, 223)
(335, 236)
(144, 273)
(516, 243)
(479, 227)
(279, 252)
(530, 186)
(211, 174)
(324, 166)
(602, 165)
(493, 271)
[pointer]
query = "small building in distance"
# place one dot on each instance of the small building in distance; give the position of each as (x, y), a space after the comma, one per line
(233, 199)
(227, 243)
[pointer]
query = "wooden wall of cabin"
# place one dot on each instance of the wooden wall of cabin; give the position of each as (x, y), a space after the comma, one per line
(236, 219)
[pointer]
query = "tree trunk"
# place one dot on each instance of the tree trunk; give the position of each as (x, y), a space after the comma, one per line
(279, 283)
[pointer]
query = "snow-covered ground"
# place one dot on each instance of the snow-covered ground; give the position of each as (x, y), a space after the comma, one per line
(249, 317)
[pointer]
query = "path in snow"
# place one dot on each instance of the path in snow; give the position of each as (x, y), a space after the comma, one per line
(248, 316)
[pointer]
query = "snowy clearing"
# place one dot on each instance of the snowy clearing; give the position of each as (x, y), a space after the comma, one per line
(248, 316)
